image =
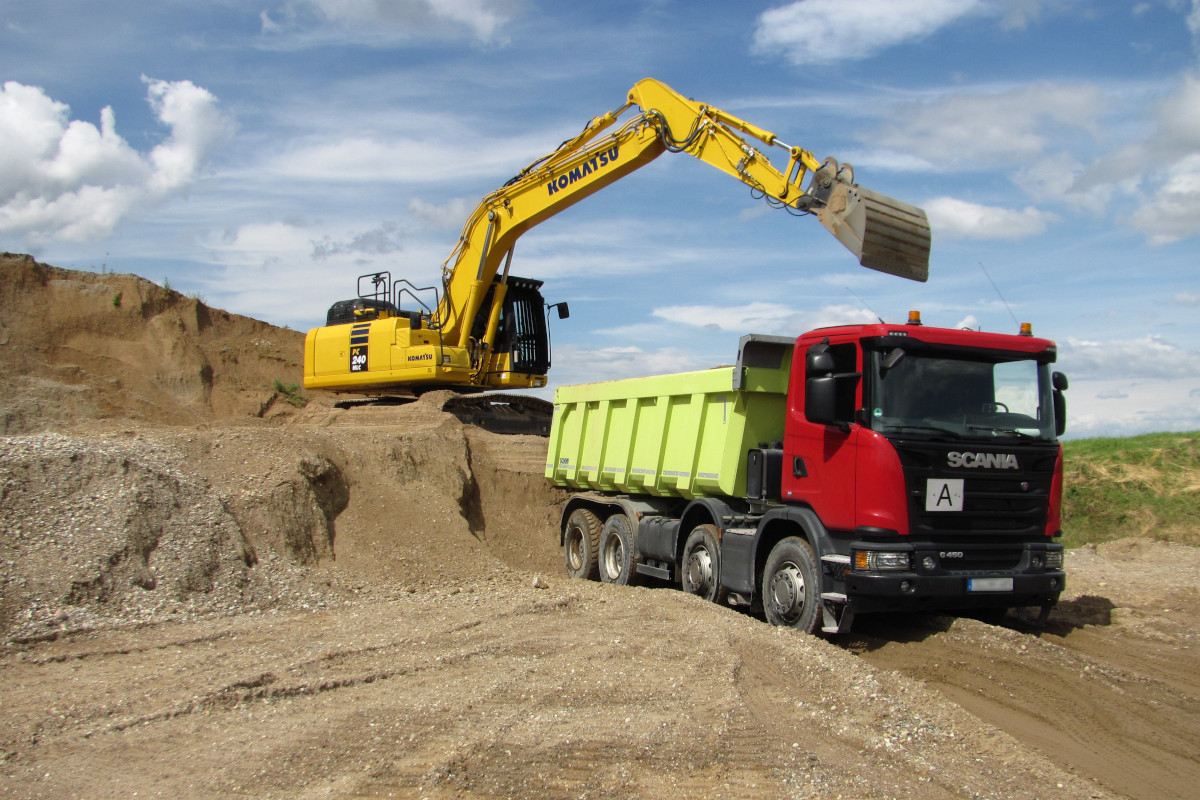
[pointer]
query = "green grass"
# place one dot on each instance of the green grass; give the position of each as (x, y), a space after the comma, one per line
(1146, 486)
(291, 393)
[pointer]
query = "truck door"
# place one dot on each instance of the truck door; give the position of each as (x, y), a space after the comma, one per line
(819, 459)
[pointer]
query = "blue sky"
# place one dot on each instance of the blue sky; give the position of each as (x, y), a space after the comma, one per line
(263, 155)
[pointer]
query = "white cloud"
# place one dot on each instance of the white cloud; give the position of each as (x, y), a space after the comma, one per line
(1148, 357)
(68, 180)
(1055, 179)
(977, 130)
(451, 214)
(457, 153)
(969, 322)
(952, 218)
(1161, 170)
(1173, 210)
(380, 22)
(827, 31)
(576, 364)
(383, 240)
(1115, 407)
(759, 317)
(258, 266)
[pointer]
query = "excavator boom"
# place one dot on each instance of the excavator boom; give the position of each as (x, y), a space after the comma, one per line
(483, 331)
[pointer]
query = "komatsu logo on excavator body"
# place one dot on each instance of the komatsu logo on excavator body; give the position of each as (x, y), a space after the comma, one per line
(984, 460)
(594, 164)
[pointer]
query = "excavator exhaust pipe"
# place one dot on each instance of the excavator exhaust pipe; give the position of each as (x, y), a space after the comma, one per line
(882, 232)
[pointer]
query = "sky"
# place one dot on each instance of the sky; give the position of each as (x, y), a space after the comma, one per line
(261, 156)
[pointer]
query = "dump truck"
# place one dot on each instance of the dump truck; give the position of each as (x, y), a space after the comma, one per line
(854, 469)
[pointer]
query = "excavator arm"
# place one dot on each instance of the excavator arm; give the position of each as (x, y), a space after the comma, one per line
(884, 234)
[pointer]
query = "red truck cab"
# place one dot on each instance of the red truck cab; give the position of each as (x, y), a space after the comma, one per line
(931, 457)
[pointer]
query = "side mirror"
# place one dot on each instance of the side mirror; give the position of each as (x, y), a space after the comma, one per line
(563, 310)
(819, 363)
(1059, 381)
(820, 400)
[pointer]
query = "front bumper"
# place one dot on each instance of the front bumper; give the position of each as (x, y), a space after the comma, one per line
(1024, 582)
(908, 591)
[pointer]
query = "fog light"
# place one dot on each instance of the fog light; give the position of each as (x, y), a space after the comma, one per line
(905, 586)
(928, 563)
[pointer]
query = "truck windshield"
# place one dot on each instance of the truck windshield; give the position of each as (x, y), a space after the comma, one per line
(948, 396)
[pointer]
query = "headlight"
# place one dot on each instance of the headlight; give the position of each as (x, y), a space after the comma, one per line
(881, 561)
(1054, 559)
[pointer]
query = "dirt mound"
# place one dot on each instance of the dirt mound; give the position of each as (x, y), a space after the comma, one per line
(78, 346)
(104, 532)
(155, 489)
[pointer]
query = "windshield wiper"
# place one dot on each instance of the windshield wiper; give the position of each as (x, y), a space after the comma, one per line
(930, 428)
(1009, 431)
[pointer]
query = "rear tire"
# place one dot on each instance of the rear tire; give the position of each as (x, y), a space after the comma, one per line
(581, 544)
(700, 572)
(791, 586)
(617, 562)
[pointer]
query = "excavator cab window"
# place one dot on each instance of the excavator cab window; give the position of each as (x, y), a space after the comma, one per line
(523, 330)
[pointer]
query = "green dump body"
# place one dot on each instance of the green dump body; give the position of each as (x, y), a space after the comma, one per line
(682, 435)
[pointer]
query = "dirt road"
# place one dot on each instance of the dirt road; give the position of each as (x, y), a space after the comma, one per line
(445, 658)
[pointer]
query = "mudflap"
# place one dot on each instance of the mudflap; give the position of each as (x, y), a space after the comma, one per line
(884, 233)
(503, 413)
(1024, 615)
(836, 614)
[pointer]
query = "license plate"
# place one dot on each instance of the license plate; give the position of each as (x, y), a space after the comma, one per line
(989, 584)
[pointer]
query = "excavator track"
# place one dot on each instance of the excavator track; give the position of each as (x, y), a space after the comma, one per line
(503, 413)
(498, 413)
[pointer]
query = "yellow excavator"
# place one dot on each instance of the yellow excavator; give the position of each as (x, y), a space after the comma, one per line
(484, 329)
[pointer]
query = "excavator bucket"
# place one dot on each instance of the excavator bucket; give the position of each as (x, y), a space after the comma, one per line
(884, 233)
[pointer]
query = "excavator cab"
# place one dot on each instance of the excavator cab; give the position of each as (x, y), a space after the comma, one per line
(523, 333)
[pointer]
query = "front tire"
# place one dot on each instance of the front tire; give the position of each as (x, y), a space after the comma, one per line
(700, 573)
(791, 587)
(581, 544)
(617, 562)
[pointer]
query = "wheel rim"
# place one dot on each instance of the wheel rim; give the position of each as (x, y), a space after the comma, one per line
(700, 571)
(787, 592)
(613, 557)
(575, 549)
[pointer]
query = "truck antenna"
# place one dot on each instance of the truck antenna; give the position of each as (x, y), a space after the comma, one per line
(997, 288)
(864, 302)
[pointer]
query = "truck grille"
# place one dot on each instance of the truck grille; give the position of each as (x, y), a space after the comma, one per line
(996, 501)
(994, 559)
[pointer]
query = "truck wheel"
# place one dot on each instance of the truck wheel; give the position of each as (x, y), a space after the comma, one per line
(791, 590)
(616, 560)
(581, 544)
(701, 571)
